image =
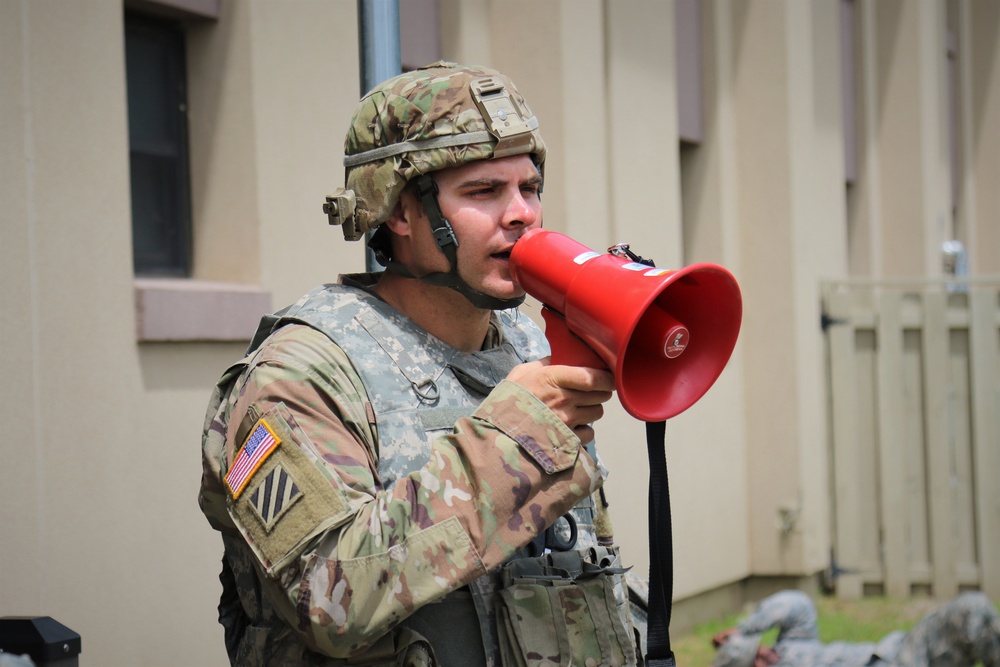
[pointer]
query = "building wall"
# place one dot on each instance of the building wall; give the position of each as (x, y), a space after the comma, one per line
(100, 465)
(100, 523)
(979, 121)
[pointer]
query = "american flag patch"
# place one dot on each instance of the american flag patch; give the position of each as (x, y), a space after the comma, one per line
(258, 446)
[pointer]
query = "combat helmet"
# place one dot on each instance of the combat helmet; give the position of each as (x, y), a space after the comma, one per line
(438, 116)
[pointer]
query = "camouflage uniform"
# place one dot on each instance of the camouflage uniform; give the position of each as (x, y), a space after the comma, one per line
(959, 633)
(372, 530)
(377, 490)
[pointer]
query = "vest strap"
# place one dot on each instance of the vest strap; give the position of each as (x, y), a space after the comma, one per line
(421, 379)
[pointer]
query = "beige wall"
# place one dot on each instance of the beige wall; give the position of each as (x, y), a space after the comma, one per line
(100, 524)
(98, 515)
(979, 199)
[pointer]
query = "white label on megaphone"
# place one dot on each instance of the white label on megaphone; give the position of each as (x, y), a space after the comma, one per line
(652, 273)
(585, 257)
(635, 266)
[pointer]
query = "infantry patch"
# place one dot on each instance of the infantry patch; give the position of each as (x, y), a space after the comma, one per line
(258, 446)
(274, 495)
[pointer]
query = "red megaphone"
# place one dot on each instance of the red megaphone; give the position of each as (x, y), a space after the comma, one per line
(665, 335)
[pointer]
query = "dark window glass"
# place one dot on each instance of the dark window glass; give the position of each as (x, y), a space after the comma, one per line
(158, 154)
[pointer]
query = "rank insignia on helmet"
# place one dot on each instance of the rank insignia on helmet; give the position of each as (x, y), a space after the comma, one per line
(274, 495)
(258, 446)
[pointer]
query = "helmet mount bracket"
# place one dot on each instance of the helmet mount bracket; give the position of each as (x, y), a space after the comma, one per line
(340, 208)
(505, 119)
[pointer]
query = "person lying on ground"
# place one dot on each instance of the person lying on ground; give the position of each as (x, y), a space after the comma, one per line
(959, 633)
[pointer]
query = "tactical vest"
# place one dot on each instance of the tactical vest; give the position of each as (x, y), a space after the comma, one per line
(418, 388)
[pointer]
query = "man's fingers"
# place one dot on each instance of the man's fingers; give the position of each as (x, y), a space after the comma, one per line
(575, 394)
(583, 379)
(590, 384)
(526, 369)
(585, 433)
(585, 414)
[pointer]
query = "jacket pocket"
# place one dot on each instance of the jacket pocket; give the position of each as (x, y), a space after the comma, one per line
(558, 609)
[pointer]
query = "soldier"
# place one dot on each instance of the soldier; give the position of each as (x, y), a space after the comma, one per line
(957, 634)
(399, 475)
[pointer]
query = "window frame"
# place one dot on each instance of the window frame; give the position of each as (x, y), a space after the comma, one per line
(181, 308)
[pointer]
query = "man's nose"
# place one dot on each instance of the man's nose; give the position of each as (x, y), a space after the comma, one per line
(521, 212)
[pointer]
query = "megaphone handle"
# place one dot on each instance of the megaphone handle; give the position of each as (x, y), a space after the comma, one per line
(567, 348)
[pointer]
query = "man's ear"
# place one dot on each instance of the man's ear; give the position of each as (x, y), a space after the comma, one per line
(397, 221)
(405, 212)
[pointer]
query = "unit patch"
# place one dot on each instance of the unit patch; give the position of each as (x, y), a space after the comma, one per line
(274, 495)
(258, 446)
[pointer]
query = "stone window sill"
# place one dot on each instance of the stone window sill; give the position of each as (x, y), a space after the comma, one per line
(197, 310)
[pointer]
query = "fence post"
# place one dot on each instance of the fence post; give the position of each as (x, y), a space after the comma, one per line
(845, 441)
(983, 336)
(892, 463)
(940, 495)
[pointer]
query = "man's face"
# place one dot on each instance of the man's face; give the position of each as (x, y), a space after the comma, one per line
(490, 204)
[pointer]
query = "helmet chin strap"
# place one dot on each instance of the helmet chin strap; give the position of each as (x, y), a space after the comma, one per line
(446, 240)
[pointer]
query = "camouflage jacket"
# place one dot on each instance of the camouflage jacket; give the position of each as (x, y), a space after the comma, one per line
(959, 633)
(330, 547)
(798, 644)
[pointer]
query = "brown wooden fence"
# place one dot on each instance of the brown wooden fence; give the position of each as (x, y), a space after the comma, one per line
(914, 393)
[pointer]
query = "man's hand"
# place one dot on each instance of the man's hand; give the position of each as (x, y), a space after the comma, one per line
(719, 638)
(765, 656)
(574, 393)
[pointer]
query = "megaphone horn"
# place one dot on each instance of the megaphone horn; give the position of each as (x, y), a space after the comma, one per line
(665, 335)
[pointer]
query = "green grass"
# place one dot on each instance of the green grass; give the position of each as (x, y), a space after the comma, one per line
(868, 619)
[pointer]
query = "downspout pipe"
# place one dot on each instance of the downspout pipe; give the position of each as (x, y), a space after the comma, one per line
(378, 46)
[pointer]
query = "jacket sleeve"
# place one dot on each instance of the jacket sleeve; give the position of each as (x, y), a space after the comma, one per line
(345, 560)
(792, 612)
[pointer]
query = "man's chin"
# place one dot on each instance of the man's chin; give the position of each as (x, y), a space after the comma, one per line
(502, 289)
(508, 294)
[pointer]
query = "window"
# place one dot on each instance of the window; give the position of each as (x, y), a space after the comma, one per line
(157, 119)
(171, 304)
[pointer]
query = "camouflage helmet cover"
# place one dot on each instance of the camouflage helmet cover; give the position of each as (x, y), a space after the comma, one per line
(438, 116)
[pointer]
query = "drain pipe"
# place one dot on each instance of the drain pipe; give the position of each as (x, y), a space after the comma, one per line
(378, 47)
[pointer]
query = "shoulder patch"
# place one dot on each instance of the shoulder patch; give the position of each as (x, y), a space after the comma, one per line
(292, 498)
(276, 493)
(258, 446)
